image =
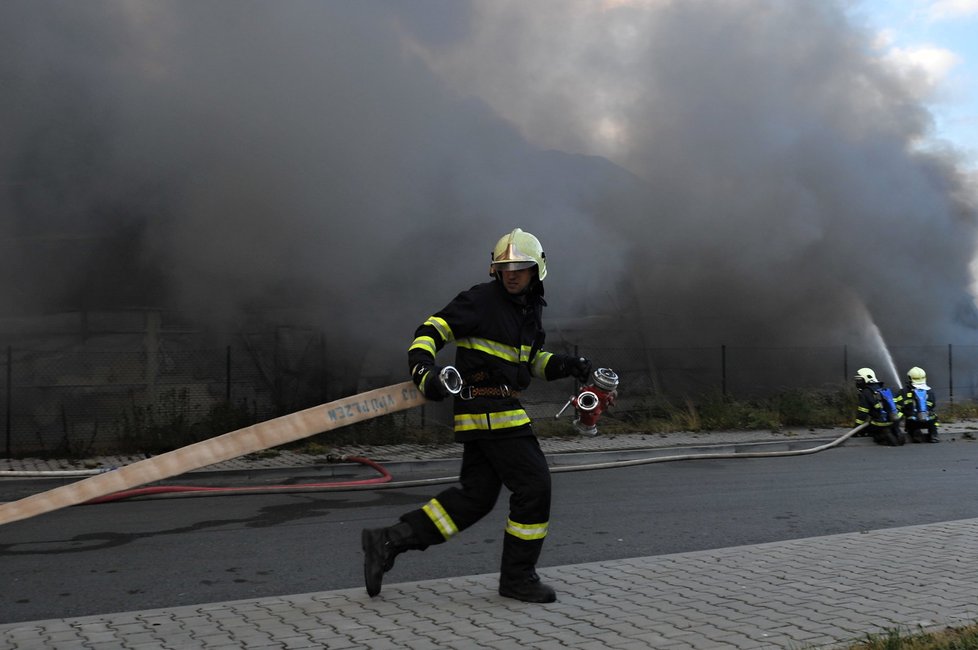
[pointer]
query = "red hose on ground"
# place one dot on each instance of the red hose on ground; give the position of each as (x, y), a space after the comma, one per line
(384, 477)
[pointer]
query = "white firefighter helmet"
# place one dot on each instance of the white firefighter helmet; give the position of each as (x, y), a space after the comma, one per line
(518, 250)
(866, 376)
(917, 377)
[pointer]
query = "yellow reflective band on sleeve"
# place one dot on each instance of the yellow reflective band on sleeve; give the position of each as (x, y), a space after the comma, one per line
(440, 518)
(442, 327)
(540, 363)
(525, 352)
(527, 531)
(490, 421)
(492, 348)
(424, 381)
(425, 343)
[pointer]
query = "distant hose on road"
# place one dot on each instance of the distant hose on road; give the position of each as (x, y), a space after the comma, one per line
(385, 481)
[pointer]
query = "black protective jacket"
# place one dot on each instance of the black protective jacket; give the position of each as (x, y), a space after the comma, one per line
(499, 339)
(870, 407)
(918, 404)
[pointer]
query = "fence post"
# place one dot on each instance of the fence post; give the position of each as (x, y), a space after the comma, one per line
(577, 355)
(151, 341)
(723, 370)
(845, 363)
(323, 370)
(10, 374)
(227, 374)
(950, 374)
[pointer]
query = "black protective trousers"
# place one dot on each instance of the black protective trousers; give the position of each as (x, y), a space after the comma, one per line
(487, 465)
(918, 430)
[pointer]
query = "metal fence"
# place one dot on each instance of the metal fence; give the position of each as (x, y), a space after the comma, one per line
(132, 398)
(170, 393)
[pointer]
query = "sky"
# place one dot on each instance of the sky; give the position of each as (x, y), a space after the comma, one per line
(935, 40)
(700, 172)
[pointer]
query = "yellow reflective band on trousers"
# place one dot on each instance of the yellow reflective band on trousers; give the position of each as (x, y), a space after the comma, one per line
(490, 421)
(440, 518)
(527, 531)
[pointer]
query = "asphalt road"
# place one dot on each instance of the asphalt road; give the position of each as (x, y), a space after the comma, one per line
(132, 555)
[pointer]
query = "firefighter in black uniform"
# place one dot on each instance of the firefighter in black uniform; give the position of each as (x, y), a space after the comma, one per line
(919, 407)
(881, 413)
(499, 337)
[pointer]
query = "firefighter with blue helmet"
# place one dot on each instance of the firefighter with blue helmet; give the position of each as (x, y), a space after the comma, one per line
(497, 329)
(919, 407)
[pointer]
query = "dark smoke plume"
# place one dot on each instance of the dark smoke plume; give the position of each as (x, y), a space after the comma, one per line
(710, 171)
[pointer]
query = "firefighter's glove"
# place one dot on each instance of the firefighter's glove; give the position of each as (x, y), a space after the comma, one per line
(580, 369)
(425, 377)
(577, 367)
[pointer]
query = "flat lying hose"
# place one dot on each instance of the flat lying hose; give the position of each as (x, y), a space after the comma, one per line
(52, 473)
(655, 459)
(749, 454)
(385, 482)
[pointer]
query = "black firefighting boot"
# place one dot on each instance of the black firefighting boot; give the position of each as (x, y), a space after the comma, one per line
(518, 578)
(380, 547)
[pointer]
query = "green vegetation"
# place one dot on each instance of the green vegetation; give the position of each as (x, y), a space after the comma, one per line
(656, 415)
(960, 638)
(173, 421)
(958, 411)
(716, 412)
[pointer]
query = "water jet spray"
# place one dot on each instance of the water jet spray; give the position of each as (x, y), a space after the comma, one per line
(885, 351)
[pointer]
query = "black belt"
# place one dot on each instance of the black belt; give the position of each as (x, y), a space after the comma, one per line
(469, 392)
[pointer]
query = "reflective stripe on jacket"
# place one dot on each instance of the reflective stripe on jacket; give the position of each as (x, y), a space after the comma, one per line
(916, 400)
(869, 408)
(498, 339)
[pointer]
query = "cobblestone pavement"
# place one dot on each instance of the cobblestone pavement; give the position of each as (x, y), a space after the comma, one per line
(807, 593)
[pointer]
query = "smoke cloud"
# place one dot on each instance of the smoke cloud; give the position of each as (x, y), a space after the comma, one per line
(708, 171)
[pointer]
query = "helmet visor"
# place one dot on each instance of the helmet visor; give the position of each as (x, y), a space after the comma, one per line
(512, 266)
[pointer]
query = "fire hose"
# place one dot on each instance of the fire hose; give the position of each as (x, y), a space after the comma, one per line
(69, 473)
(593, 398)
(448, 376)
(589, 405)
(386, 482)
(653, 459)
(384, 477)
